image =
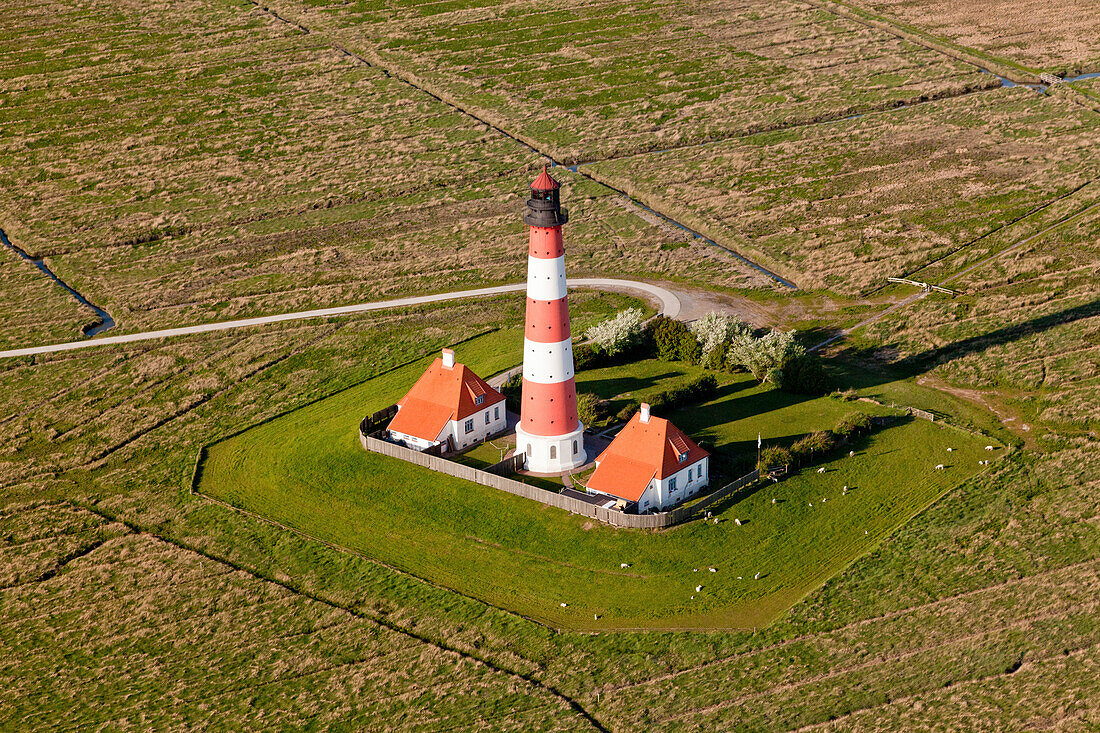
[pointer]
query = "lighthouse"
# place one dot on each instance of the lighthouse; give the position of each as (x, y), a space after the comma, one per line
(550, 433)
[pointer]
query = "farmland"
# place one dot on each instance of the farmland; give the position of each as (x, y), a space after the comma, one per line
(847, 204)
(1061, 38)
(204, 159)
(589, 81)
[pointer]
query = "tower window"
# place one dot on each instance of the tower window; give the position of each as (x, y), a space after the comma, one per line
(574, 447)
(553, 452)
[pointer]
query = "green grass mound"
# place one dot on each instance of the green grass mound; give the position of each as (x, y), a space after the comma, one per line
(307, 470)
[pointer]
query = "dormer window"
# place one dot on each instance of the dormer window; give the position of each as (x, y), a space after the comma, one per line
(683, 457)
(479, 399)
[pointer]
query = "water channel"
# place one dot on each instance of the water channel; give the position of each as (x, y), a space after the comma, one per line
(105, 321)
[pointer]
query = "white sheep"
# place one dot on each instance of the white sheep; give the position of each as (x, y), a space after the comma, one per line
(564, 605)
(821, 470)
(851, 454)
(989, 447)
(716, 520)
(595, 617)
(773, 500)
(756, 577)
(713, 570)
(950, 449)
(737, 522)
(624, 565)
(698, 588)
(939, 466)
(823, 500)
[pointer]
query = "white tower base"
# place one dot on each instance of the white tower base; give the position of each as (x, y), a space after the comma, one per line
(538, 450)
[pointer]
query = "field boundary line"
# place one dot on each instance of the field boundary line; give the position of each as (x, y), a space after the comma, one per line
(1030, 663)
(891, 658)
(530, 679)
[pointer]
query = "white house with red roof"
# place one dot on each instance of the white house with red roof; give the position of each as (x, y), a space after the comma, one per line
(448, 403)
(651, 462)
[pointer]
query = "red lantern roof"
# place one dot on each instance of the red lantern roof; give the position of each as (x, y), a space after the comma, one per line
(545, 182)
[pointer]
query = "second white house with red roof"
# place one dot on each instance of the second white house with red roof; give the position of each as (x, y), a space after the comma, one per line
(449, 405)
(651, 462)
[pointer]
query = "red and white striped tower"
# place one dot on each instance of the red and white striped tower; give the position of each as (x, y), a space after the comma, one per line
(550, 433)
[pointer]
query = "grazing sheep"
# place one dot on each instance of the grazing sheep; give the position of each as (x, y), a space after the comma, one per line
(698, 588)
(595, 617)
(716, 520)
(624, 565)
(939, 467)
(695, 570)
(737, 522)
(713, 570)
(564, 605)
(821, 470)
(823, 500)
(950, 449)
(851, 454)
(989, 447)
(756, 577)
(773, 500)
(739, 577)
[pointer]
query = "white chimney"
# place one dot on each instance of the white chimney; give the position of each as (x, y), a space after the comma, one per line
(644, 414)
(448, 359)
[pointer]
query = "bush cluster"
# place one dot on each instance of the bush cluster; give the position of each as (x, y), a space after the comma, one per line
(813, 446)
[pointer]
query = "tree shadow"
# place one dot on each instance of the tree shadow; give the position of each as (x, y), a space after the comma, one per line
(607, 388)
(924, 361)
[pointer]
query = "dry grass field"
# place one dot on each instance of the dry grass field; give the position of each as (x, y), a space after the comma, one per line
(1045, 36)
(202, 159)
(844, 205)
(591, 80)
(189, 639)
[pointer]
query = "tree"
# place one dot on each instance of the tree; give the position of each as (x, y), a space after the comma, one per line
(764, 357)
(803, 374)
(619, 333)
(714, 332)
(668, 337)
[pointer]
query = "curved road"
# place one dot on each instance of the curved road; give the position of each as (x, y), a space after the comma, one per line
(669, 305)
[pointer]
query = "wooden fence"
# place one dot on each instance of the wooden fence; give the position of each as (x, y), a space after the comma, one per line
(569, 504)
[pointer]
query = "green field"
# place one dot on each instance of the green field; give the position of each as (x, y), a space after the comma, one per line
(306, 469)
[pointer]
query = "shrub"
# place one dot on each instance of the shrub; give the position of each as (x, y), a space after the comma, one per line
(814, 444)
(618, 334)
(773, 455)
(847, 395)
(587, 357)
(802, 374)
(856, 423)
(668, 337)
(627, 411)
(697, 390)
(689, 350)
(512, 389)
(591, 409)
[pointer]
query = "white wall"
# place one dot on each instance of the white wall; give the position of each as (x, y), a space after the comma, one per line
(497, 421)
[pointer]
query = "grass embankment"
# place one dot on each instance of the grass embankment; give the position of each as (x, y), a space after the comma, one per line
(307, 470)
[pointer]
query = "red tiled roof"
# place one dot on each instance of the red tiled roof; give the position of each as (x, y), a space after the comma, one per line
(441, 395)
(545, 182)
(640, 453)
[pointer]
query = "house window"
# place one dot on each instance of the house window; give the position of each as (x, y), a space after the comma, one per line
(574, 447)
(496, 412)
(486, 417)
(672, 484)
(479, 399)
(470, 426)
(553, 452)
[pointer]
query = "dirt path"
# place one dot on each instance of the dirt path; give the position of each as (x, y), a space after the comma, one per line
(667, 303)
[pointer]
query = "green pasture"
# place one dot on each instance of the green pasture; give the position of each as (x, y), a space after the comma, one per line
(306, 469)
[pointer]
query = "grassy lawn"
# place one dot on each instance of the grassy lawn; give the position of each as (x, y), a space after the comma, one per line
(306, 469)
(482, 455)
